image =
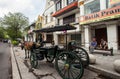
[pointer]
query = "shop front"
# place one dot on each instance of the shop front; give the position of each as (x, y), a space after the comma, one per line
(102, 25)
(101, 33)
(49, 38)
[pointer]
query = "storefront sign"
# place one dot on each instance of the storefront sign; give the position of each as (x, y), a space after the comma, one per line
(101, 16)
(112, 2)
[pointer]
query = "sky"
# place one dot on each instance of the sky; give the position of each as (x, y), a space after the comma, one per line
(30, 8)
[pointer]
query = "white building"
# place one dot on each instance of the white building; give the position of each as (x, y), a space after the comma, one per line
(49, 21)
(67, 12)
(30, 36)
(100, 18)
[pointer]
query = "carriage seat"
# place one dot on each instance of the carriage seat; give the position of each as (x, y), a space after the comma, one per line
(71, 45)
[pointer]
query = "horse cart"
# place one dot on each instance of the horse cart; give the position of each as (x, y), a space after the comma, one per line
(69, 61)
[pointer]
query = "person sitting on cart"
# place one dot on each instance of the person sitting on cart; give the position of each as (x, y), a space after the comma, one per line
(93, 45)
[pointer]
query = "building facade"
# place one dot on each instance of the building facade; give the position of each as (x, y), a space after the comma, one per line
(49, 21)
(100, 19)
(67, 12)
(38, 25)
(30, 35)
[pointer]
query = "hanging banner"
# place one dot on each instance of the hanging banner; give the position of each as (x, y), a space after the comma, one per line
(101, 15)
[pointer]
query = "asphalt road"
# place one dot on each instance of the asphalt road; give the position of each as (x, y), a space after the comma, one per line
(5, 64)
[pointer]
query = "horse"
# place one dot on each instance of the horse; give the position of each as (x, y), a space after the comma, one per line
(27, 47)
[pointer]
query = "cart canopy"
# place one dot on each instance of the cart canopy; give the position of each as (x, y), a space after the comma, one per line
(57, 28)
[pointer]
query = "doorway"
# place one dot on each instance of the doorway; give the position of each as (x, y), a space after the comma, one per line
(101, 33)
(49, 38)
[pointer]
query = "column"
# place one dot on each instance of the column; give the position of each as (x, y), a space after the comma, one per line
(82, 29)
(81, 9)
(112, 36)
(82, 36)
(87, 32)
(45, 37)
(34, 37)
(102, 4)
(55, 38)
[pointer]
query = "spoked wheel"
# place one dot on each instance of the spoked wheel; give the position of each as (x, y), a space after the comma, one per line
(33, 60)
(83, 55)
(69, 66)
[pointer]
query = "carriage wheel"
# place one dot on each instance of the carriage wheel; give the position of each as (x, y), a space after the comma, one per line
(69, 66)
(33, 60)
(83, 55)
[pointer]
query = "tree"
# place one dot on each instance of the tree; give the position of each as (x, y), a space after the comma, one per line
(2, 32)
(15, 23)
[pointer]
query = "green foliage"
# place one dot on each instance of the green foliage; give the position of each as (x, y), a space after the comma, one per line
(15, 43)
(15, 23)
(2, 32)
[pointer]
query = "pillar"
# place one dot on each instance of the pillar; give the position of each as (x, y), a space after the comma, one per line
(87, 31)
(112, 36)
(82, 29)
(102, 4)
(55, 38)
(34, 37)
(81, 9)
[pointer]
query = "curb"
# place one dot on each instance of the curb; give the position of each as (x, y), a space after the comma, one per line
(104, 72)
(15, 71)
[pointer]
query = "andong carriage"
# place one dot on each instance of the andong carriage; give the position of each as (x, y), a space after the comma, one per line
(69, 62)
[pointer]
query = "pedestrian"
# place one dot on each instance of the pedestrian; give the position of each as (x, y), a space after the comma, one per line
(9, 42)
(103, 44)
(93, 45)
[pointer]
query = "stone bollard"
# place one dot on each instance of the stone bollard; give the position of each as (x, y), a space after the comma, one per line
(92, 59)
(117, 65)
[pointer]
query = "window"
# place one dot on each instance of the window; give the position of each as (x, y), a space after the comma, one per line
(107, 3)
(51, 16)
(70, 1)
(58, 21)
(69, 19)
(46, 19)
(92, 7)
(58, 5)
(77, 38)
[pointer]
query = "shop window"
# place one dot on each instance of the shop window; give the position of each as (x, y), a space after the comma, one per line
(58, 5)
(49, 38)
(70, 1)
(92, 7)
(77, 38)
(69, 19)
(107, 3)
(61, 39)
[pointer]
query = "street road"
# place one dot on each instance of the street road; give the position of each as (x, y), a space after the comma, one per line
(5, 64)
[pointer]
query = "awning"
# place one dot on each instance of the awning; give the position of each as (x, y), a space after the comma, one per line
(57, 28)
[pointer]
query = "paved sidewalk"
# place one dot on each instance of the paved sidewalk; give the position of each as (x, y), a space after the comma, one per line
(104, 65)
(24, 71)
(45, 70)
